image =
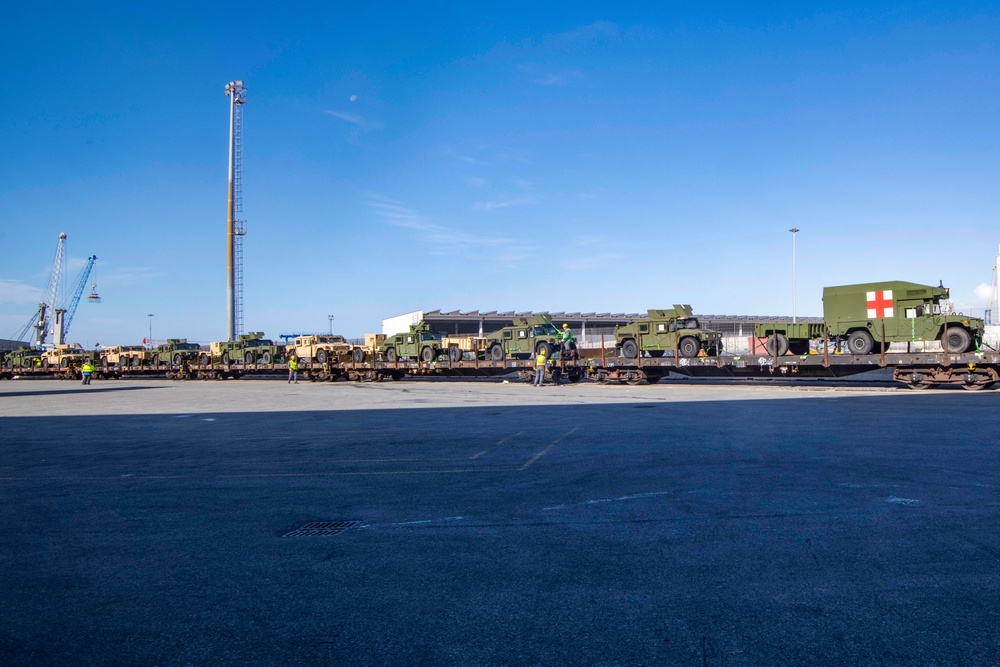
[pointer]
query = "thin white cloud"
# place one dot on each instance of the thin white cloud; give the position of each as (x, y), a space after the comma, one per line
(451, 241)
(493, 205)
(17, 292)
(360, 121)
(984, 291)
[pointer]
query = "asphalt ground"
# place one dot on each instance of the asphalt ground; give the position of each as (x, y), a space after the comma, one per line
(143, 523)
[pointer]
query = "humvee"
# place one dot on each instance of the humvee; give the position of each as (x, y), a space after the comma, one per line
(248, 349)
(318, 348)
(124, 356)
(524, 339)
(418, 343)
(63, 356)
(175, 351)
(668, 330)
(870, 316)
(23, 357)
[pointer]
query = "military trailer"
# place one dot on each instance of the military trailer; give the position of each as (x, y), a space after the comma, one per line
(870, 316)
(418, 343)
(525, 338)
(318, 348)
(124, 356)
(23, 357)
(175, 351)
(248, 349)
(674, 330)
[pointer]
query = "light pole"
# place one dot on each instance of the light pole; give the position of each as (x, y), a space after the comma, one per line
(794, 231)
(150, 339)
(330, 318)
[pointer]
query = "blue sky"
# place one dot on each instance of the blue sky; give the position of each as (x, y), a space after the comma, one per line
(564, 156)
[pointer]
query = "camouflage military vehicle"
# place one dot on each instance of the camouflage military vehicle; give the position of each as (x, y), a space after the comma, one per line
(123, 356)
(63, 356)
(175, 351)
(870, 316)
(524, 339)
(318, 348)
(248, 349)
(669, 330)
(418, 343)
(23, 357)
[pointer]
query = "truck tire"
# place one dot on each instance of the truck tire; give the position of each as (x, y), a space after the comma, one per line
(860, 342)
(629, 349)
(428, 354)
(689, 347)
(543, 346)
(155, 360)
(358, 355)
(798, 347)
(776, 345)
(655, 353)
(249, 359)
(225, 358)
(321, 356)
(454, 353)
(957, 340)
(265, 358)
(496, 352)
(178, 359)
(203, 359)
(390, 355)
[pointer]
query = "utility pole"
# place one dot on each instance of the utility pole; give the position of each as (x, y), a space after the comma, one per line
(330, 318)
(236, 228)
(794, 231)
(150, 339)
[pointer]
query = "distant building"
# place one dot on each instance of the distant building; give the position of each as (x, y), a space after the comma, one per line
(6, 344)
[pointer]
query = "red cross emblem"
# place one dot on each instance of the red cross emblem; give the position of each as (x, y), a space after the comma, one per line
(880, 304)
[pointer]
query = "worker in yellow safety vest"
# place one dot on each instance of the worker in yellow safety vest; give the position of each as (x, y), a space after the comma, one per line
(88, 371)
(540, 360)
(293, 370)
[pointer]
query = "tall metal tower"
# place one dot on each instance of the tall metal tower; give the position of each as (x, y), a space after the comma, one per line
(237, 228)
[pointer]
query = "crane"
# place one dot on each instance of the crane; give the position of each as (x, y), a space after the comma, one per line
(48, 318)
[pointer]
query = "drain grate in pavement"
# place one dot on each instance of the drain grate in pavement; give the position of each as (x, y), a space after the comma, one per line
(321, 529)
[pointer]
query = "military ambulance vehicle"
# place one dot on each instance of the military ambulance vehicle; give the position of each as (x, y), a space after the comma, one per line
(524, 339)
(418, 343)
(63, 356)
(124, 356)
(23, 357)
(666, 331)
(248, 349)
(175, 351)
(870, 316)
(318, 348)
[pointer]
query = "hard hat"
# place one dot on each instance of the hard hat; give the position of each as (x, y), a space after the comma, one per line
(543, 351)
(565, 326)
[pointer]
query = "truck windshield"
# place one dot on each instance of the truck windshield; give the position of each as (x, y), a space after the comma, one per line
(544, 331)
(691, 323)
(430, 336)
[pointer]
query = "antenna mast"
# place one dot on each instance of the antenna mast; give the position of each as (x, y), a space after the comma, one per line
(236, 228)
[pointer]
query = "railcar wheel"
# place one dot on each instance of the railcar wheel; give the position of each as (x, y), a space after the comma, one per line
(860, 342)
(390, 355)
(428, 354)
(496, 352)
(629, 349)
(957, 340)
(689, 347)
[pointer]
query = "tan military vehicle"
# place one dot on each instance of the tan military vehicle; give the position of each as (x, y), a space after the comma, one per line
(63, 356)
(318, 348)
(124, 356)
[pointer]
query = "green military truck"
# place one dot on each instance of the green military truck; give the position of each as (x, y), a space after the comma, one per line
(870, 316)
(24, 357)
(418, 343)
(248, 349)
(175, 351)
(673, 330)
(522, 340)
